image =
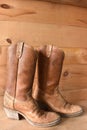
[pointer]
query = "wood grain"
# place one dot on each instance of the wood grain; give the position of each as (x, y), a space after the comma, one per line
(73, 77)
(81, 3)
(75, 95)
(42, 12)
(75, 56)
(37, 34)
(3, 55)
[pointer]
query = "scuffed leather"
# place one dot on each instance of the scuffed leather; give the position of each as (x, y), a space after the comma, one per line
(49, 72)
(49, 68)
(21, 70)
(29, 109)
(12, 63)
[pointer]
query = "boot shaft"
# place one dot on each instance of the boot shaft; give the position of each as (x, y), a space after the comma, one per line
(50, 61)
(21, 69)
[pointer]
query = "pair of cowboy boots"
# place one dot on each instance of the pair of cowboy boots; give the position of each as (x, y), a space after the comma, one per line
(18, 99)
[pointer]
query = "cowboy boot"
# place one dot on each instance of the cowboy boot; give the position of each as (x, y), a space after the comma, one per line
(18, 98)
(50, 61)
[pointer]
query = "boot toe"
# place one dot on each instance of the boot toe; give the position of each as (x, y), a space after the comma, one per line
(75, 110)
(47, 120)
(53, 118)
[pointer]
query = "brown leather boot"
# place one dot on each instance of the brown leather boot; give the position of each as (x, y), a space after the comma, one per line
(50, 61)
(18, 98)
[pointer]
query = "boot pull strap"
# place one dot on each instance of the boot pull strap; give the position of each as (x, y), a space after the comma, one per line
(19, 49)
(49, 50)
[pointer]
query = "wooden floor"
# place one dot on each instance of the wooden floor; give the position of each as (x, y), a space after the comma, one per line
(78, 123)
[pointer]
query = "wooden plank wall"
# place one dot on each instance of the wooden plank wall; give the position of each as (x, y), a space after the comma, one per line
(37, 23)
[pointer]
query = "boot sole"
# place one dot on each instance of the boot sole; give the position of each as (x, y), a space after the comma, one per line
(72, 115)
(48, 108)
(16, 115)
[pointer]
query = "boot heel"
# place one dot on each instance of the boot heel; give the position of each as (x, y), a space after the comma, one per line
(12, 114)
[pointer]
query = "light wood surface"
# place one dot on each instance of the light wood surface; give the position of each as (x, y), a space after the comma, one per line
(37, 34)
(43, 12)
(74, 77)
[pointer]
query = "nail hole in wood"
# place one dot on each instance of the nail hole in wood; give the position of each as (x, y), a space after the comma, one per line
(65, 73)
(9, 40)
